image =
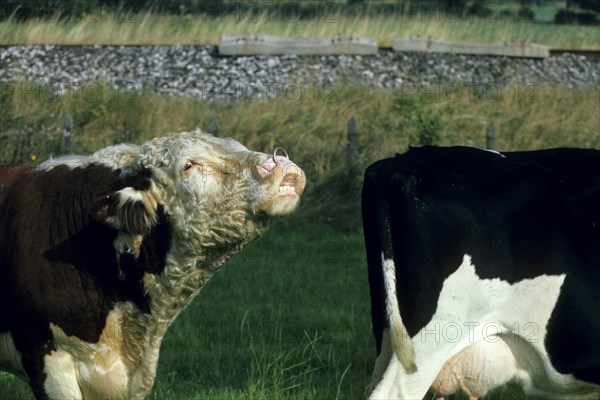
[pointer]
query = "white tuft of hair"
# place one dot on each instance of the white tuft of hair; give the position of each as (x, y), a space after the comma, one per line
(71, 161)
(118, 156)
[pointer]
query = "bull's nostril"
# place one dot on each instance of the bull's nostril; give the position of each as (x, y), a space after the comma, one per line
(285, 154)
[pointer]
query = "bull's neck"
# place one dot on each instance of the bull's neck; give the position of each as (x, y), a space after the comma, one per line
(187, 269)
(181, 280)
(169, 292)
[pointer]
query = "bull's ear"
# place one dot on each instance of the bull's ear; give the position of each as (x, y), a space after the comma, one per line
(133, 208)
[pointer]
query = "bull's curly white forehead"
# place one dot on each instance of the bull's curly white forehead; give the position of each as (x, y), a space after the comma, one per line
(163, 151)
(168, 149)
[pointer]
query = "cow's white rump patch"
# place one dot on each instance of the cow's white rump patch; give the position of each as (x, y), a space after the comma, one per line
(471, 309)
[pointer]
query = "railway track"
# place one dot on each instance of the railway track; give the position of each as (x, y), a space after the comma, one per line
(586, 53)
(553, 52)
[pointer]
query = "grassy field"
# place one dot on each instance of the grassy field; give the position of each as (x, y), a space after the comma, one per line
(149, 28)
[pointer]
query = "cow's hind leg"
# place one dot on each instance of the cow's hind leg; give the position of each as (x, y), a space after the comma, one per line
(383, 359)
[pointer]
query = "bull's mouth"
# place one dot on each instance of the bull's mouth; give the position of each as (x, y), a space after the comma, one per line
(288, 186)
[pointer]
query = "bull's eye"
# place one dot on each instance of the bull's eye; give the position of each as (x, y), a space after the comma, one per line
(188, 165)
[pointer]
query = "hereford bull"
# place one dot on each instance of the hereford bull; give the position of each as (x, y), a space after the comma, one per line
(99, 254)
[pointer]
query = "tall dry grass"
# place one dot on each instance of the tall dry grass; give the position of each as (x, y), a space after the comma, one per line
(313, 125)
(313, 128)
(151, 28)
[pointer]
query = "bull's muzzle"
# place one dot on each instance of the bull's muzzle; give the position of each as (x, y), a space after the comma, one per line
(283, 175)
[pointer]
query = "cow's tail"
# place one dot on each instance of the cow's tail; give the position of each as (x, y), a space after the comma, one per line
(402, 344)
(376, 200)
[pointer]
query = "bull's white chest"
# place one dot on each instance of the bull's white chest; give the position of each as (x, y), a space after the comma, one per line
(121, 365)
(97, 372)
(75, 369)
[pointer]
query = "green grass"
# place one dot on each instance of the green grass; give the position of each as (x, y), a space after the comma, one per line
(287, 318)
(149, 28)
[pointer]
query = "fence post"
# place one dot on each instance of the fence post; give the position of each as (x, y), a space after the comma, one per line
(490, 137)
(352, 147)
(213, 126)
(66, 123)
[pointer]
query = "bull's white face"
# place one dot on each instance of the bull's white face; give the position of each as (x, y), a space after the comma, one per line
(217, 188)
(206, 171)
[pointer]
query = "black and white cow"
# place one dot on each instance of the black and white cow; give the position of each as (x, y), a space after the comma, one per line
(99, 254)
(484, 268)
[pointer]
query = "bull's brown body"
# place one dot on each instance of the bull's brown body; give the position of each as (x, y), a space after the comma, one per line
(99, 254)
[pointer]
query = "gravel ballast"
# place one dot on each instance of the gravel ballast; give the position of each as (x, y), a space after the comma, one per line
(199, 71)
